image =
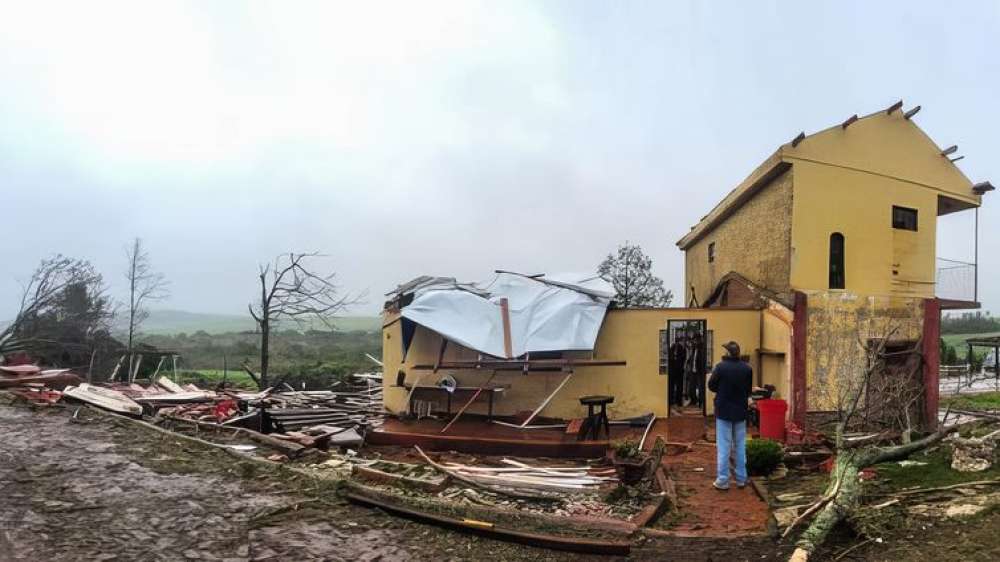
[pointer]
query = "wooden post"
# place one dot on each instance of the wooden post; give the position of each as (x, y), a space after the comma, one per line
(932, 360)
(90, 369)
(505, 317)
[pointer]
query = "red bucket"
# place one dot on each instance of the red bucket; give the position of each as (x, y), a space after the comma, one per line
(772, 419)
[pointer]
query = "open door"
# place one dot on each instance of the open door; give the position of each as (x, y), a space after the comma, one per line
(688, 364)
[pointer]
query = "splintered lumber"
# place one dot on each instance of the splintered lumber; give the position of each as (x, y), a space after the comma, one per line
(488, 487)
(289, 448)
(169, 385)
(487, 529)
(652, 420)
(545, 403)
(471, 400)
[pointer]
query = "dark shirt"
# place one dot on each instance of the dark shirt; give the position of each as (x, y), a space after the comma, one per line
(678, 354)
(731, 381)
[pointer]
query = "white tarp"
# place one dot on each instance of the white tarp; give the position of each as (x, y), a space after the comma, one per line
(550, 313)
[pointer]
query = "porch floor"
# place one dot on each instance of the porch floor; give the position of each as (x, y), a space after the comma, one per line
(705, 511)
(480, 436)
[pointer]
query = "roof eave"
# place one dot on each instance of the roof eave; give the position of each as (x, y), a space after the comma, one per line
(771, 168)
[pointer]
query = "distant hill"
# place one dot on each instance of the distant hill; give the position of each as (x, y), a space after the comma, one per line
(168, 322)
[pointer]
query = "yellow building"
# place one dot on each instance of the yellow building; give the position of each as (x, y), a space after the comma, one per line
(828, 243)
(840, 228)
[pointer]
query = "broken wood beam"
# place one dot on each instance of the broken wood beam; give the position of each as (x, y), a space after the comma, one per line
(518, 364)
(488, 529)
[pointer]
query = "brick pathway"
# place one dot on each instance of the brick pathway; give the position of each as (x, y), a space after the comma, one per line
(705, 511)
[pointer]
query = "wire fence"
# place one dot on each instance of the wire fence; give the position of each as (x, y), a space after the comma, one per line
(955, 280)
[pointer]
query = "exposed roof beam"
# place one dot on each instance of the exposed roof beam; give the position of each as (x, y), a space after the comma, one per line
(894, 107)
(950, 150)
(798, 139)
(982, 187)
(957, 159)
(850, 120)
(909, 114)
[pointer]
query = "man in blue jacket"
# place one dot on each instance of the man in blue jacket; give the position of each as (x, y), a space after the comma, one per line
(731, 381)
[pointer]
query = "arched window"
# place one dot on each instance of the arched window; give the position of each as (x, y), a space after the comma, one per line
(837, 277)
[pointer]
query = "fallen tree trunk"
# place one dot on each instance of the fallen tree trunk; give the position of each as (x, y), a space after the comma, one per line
(844, 492)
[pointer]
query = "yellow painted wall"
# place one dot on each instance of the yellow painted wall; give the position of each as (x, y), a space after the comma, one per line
(838, 324)
(776, 325)
(755, 241)
(886, 145)
(879, 259)
(630, 335)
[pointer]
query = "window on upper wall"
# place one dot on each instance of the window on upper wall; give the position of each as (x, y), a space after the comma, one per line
(711, 252)
(904, 218)
(837, 277)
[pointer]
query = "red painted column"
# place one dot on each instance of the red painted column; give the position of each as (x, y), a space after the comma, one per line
(932, 359)
(800, 325)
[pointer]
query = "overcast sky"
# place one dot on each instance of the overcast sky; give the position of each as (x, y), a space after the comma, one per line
(412, 138)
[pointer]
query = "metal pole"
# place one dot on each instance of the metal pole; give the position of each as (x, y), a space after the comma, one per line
(975, 286)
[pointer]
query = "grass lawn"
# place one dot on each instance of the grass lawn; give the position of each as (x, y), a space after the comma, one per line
(209, 378)
(981, 401)
(958, 341)
(937, 472)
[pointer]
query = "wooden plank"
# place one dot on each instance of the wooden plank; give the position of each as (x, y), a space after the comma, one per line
(469, 403)
(505, 318)
(547, 400)
(571, 544)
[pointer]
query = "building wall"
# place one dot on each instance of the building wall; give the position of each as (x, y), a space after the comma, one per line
(838, 324)
(631, 335)
(879, 259)
(754, 241)
(776, 336)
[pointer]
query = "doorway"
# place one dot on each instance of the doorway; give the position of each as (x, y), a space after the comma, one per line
(688, 345)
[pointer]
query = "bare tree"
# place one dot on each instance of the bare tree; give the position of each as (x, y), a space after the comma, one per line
(144, 285)
(291, 290)
(44, 291)
(630, 272)
(870, 395)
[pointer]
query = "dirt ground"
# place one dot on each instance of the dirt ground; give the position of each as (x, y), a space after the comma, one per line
(99, 488)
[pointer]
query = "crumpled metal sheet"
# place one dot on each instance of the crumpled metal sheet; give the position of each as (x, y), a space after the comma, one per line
(547, 313)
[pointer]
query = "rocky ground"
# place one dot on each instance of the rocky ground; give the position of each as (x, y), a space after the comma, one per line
(92, 487)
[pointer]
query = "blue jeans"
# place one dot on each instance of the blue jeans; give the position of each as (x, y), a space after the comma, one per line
(727, 436)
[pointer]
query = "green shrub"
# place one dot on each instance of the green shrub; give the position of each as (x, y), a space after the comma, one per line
(627, 449)
(763, 456)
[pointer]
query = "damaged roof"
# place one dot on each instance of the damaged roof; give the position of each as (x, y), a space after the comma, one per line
(562, 312)
(850, 144)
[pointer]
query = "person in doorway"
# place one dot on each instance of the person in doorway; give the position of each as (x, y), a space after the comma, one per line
(731, 381)
(675, 370)
(694, 371)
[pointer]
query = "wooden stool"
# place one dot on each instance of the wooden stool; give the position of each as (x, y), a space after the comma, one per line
(595, 420)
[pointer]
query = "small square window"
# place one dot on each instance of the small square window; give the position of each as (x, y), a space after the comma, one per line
(711, 252)
(904, 218)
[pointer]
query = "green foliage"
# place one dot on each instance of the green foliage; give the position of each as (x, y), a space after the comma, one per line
(947, 353)
(173, 322)
(970, 323)
(936, 472)
(975, 361)
(314, 359)
(627, 449)
(763, 456)
(982, 401)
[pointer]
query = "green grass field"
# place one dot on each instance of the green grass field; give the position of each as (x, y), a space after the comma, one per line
(984, 401)
(210, 378)
(170, 322)
(958, 341)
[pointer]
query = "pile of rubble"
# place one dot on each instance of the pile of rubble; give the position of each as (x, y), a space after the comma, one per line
(320, 419)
